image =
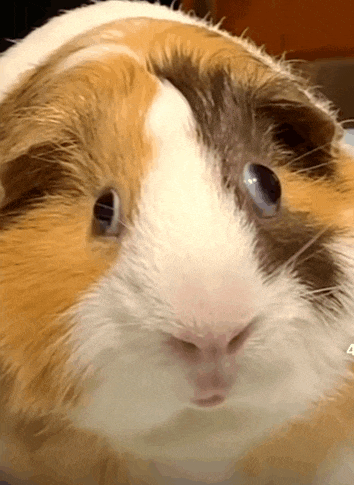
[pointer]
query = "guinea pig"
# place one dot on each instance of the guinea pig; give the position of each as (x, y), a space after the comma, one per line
(176, 258)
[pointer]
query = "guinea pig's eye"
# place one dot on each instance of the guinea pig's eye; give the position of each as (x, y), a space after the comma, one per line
(264, 188)
(106, 214)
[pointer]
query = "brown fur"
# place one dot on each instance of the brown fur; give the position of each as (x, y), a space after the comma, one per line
(46, 154)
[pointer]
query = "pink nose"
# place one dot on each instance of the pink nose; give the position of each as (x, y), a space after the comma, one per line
(211, 383)
(210, 345)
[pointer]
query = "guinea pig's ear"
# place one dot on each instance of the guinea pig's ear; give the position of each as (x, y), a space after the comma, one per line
(304, 128)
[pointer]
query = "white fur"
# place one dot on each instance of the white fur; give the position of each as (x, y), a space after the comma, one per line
(94, 52)
(39, 44)
(42, 42)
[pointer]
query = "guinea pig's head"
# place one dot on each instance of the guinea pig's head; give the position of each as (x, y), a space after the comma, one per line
(175, 232)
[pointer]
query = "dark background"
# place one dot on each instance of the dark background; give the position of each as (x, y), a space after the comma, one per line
(19, 18)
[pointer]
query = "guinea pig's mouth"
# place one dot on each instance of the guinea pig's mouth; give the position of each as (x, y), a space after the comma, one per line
(211, 402)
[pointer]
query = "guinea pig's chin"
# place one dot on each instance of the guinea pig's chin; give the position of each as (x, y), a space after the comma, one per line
(141, 415)
(129, 402)
(141, 392)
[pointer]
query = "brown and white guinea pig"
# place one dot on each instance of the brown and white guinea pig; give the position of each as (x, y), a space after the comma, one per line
(176, 259)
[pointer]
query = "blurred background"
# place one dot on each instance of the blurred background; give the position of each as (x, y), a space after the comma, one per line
(317, 32)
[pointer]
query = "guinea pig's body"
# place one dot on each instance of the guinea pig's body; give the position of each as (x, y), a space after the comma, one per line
(176, 259)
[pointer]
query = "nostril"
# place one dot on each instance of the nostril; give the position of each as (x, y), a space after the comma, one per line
(192, 346)
(183, 346)
(237, 341)
(234, 342)
(188, 346)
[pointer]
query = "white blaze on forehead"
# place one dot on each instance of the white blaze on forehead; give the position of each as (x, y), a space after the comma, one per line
(95, 52)
(201, 245)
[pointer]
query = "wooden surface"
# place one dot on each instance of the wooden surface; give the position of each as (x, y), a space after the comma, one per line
(307, 29)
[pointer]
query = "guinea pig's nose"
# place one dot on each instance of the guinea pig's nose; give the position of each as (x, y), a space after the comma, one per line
(209, 345)
(210, 356)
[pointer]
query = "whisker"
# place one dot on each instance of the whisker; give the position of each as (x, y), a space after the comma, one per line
(109, 207)
(346, 121)
(296, 159)
(311, 168)
(309, 243)
(329, 289)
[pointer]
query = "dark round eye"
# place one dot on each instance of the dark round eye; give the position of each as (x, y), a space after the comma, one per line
(264, 188)
(106, 214)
